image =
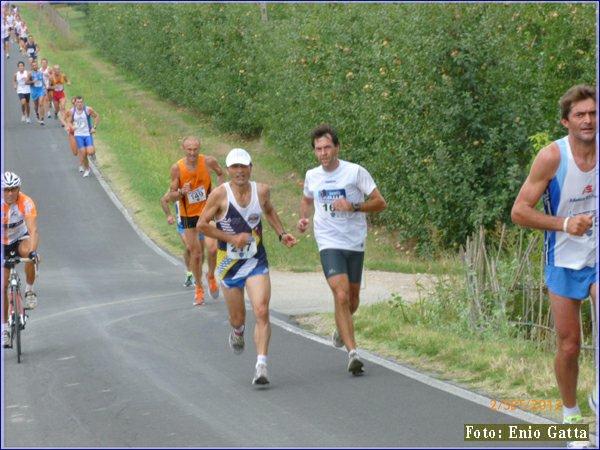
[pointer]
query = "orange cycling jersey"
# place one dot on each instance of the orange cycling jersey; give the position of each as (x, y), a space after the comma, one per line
(13, 218)
(193, 202)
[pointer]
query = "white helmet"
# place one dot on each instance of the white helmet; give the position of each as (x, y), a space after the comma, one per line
(10, 180)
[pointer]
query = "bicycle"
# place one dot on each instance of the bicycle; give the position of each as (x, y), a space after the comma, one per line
(17, 318)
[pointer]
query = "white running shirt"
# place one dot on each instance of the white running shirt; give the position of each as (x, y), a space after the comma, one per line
(571, 192)
(80, 122)
(22, 87)
(336, 229)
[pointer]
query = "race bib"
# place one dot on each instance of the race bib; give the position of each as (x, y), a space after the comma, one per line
(247, 252)
(197, 195)
(58, 87)
(327, 197)
(31, 50)
(38, 83)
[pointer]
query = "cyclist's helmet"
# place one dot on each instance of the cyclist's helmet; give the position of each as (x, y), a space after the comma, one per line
(10, 180)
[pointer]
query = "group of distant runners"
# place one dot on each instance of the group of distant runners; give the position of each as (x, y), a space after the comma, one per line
(44, 85)
(225, 221)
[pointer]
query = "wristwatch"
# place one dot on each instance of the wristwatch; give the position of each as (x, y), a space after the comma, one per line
(356, 207)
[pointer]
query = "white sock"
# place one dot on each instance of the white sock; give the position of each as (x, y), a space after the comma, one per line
(352, 353)
(571, 411)
(261, 359)
(240, 330)
(28, 287)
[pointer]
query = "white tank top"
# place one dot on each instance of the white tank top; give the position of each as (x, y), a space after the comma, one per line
(22, 87)
(46, 74)
(80, 123)
(571, 192)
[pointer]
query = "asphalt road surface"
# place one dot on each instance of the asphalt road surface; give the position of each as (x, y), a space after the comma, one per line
(116, 355)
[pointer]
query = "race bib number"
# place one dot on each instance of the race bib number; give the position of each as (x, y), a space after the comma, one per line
(327, 197)
(37, 83)
(197, 195)
(80, 123)
(31, 50)
(58, 87)
(247, 252)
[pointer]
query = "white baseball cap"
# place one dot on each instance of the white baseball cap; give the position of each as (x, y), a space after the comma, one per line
(238, 156)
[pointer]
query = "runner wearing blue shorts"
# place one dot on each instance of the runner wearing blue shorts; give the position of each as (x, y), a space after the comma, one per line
(38, 92)
(82, 122)
(564, 175)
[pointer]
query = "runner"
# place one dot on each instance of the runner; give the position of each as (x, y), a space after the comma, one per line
(191, 184)
(57, 85)
(164, 203)
(20, 83)
(82, 122)
(20, 236)
(237, 207)
(6, 37)
(340, 227)
(564, 173)
(47, 71)
(32, 49)
(38, 92)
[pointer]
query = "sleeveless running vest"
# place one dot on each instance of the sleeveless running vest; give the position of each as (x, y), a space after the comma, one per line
(234, 263)
(570, 192)
(22, 86)
(193, 203)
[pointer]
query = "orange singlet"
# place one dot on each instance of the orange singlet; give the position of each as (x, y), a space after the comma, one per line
(193, 203)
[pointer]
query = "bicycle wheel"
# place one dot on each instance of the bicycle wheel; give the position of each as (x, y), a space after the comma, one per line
(17, 324)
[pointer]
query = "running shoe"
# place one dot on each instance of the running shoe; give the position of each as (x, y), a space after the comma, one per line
(236, 342)
(42, 122)
(199, 296)
(574, 420)
(81, 169)
(261, 376)
(5, 339)
(23, 118)
(189, 279)
(28, 120)
(49, 116)
(30, 300)
(86, 173)
(355, 365)
(213, 286)
(336, 339)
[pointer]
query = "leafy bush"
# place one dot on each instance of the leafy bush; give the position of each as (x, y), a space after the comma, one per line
(437, 101)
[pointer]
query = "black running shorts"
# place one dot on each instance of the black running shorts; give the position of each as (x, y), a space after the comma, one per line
(335, 262)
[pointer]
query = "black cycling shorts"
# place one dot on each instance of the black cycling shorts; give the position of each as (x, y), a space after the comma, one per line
(335, 262)
(189, 222)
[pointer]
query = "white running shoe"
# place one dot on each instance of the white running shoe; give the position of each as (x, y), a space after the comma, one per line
(30, 300)
(81, 169)
(86, 173)
(236, 342)
(5, 338)
(23, 118)
(355, 365)
(49, 115)
(336, 339)
(28, 120)
(261, 377)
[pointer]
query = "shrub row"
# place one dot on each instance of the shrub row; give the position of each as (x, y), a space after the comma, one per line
(438, 101)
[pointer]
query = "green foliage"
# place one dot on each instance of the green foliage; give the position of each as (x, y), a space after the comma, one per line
(437, 101)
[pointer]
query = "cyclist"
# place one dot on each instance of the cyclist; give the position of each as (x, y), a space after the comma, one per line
(19, 237)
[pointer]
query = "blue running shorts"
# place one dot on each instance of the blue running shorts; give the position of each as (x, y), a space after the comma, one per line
(84, 141)
(574, 284)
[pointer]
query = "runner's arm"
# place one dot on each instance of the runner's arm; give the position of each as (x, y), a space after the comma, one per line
(164, 204)
(523, 211)
(15, 81)
(213, 164)
(306, 205)
(264, 193)
(95, 116)
(174, 193)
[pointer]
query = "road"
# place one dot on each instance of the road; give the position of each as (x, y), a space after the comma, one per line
(116, 356)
